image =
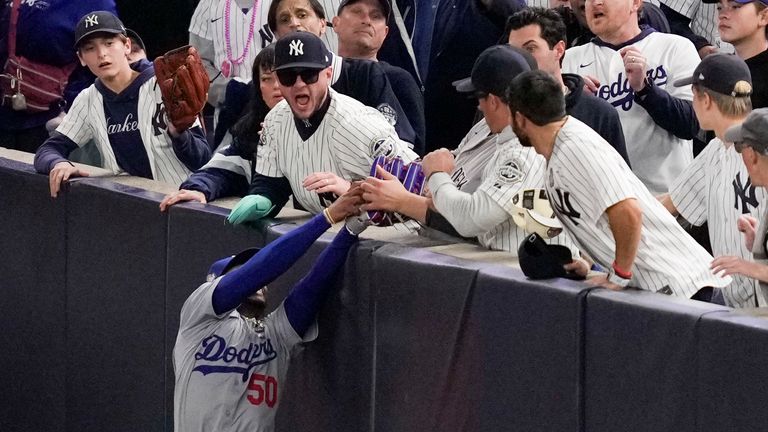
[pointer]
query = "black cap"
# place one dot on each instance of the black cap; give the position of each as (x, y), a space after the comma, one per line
(722, 73)
(98, 22)
(540, 260)
(135, 38)
(765, 2)
(385, 6)
(495, 68)
(301, 49)
(224, 265)
(753, 132)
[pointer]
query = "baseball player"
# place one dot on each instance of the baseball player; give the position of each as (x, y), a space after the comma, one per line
(610, 215)
(716, 187)
(316, 140)
(751, 140)
(633, 69)
(230, 360)
(474, 191)
(122, 112)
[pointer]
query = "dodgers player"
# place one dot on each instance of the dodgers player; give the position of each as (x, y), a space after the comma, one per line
(716, 187)
(122, 112)
(610, 214)
(658, 119)
(230, 361)
(315, 141)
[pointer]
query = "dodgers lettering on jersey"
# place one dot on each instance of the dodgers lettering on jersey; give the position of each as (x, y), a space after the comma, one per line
(716, 189)
(585, 176)
(344, 143)
(657, 156)
(230, 372)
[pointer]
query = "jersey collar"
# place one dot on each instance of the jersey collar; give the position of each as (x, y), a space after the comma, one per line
(644, 32)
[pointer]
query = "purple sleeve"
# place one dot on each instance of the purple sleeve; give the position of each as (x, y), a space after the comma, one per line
(54, 150)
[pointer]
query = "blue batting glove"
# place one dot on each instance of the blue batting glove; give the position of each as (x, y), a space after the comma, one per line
(250, 209)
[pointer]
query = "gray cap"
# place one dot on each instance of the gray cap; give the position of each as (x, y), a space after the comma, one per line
(753, 132)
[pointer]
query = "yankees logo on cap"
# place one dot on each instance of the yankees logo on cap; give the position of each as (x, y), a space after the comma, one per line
(98, 22)
(301, 50)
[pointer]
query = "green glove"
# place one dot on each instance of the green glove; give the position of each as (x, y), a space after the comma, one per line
(251, 208)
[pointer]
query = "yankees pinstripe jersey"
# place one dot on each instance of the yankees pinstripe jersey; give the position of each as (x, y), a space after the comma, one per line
(703, 18)
(760, 254)
(86, 121)
(585, 176)
(657, 156)
(472, 157)
(345, 142)
(716, 188)
(208, 22)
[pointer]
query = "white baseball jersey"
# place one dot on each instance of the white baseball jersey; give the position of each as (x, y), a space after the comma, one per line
(760, 254)
(86, 121)
(703, 18)
(472, 156)
(716, 188)
(230, 372)
(586, 176)
(208, 22)
(657, 156)
(344, 143)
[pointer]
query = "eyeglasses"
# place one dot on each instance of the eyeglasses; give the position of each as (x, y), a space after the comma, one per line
(288, 77)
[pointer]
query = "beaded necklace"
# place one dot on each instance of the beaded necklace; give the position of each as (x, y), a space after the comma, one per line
(229, 63)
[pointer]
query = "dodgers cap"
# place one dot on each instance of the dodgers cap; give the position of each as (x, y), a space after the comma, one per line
(753, 132)
(301, 49)
(722, 73)
(98, 22)
(495, 68)
(224, 265)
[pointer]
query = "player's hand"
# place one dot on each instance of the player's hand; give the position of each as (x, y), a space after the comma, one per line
(578, 266)
(747, 225)
(591, 84)
(322, 182)
(602, 280)
(635, 66)
(706, 50)
(386, 194)
(180, 196)
(438, 161)
(348, 204)
(60, 173)
(731, 265)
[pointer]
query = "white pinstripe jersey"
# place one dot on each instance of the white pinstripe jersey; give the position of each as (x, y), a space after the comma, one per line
(585, 176)
(86, 121)
(703, 18)
(657, 156)
(342, 144)
(716, 188)
(208, 23)
(760, 254)
(230, 374)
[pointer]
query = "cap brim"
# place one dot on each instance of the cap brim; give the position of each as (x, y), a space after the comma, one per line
(684, 82)
(464, 86)
(303, 65)
(92, 32)
(734, 134)
(552, 222)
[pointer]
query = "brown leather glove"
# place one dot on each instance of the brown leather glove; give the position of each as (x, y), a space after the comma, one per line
(184, 85)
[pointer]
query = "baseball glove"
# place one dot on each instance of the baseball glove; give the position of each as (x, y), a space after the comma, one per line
(410, 175)
(184, 85)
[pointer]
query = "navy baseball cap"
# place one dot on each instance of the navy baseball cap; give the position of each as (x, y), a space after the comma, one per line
(135, 38)
(385, 6)
(98, 22)
(540, 260)
(301, 49)
(753, 132)
(495, 68)
(765, 2)
(726, 74)
(224, 265)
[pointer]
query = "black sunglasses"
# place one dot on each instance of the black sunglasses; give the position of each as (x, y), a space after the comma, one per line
(287, 77)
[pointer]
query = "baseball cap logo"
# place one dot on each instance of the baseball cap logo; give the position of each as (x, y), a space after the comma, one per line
(296, 48)
(91, 20)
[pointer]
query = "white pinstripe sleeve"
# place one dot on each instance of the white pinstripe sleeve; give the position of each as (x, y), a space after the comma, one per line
(689, 192)
(200, 23)
(76, 124)
(687, 8)
(267, 155)
(516, 168)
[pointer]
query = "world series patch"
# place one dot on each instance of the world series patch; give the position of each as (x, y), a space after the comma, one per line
(389, 113)
(509, 173)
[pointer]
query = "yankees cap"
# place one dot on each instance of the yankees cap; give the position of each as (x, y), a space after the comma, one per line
(753, 132)
(540, 260)
(98, 22)
(726, 74)
(301, 49)
(495, 68)
(224, 265)
(386, 8)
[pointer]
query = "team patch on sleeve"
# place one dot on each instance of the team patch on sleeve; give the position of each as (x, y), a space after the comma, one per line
(509, 173)
(384, 146)
(389, 113)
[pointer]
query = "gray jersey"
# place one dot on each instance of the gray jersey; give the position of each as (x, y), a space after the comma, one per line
(472, 157)
(230, 372)
(344, 143)
(716, 188)
(585, 176)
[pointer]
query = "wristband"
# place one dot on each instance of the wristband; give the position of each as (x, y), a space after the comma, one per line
(328, 217)
(621, 272)
(618, 280)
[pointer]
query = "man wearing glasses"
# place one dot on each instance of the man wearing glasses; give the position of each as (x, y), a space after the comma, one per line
(316, 141)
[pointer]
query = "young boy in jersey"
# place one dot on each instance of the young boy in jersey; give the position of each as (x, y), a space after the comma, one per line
(716, 187)
(230, 360)
(122, 112)
(750, 138)
(606, 209)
